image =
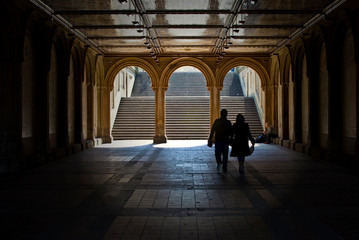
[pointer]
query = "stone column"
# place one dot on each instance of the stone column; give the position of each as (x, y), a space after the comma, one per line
(10, 117)
(105, 114)
(285, 121)
(268, 111)
(160, 115)
(91, 114)
(215, 102)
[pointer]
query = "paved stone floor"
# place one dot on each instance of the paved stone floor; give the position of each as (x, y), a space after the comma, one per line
(137, 190)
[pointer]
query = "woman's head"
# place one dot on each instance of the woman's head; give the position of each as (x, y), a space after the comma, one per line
(240, 118)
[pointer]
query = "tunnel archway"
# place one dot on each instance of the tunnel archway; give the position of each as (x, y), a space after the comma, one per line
(132, 105)
(187, 105)
(242, 93)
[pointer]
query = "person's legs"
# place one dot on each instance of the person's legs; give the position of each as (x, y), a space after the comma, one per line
(218, 154)
(241, 164)
(225, 156)
(267, 138)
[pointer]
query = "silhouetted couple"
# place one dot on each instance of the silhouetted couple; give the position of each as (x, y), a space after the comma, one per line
(225, 135)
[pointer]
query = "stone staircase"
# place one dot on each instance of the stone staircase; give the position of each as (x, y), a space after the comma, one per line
(187, 108)
(187, 117)
(247, 107)
(135, 119)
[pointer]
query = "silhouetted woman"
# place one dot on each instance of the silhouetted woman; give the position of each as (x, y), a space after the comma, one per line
(241, 135)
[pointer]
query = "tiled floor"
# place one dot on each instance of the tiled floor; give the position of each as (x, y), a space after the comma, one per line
(137, 190)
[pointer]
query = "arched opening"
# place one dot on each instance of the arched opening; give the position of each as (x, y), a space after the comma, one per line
(323, 95)
(305, 102)
(348, 94)
(291, 105)
(242, 93)
(275, 97)
(132, 105)
(28, 103)
(53, 99)
(91, 96)
(187, 105)
(71, 102)
(84, 108)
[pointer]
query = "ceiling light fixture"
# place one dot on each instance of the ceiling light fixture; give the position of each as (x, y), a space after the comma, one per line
(122, 1)
(253, 1)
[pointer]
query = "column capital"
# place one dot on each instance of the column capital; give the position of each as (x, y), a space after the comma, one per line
(215, 87)
(159, 87)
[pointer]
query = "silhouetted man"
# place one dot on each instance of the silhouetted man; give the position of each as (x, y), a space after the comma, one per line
(222, 131)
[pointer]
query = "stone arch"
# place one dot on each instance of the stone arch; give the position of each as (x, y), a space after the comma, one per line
(89, 82)
(274, 98)
(275, 74)
(78, 58)
(286, 64)
(343, 24)
(71, 100)
(100, 71)
(28, 123)
(62, 50)
(128, 62)
(74, 93)
(319, 92)
(90, 67)
(339, 141)
(248, 62)
(349, 86)
(187, 61)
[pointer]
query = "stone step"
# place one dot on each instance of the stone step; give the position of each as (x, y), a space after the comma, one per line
(178, 125)
(187, 105)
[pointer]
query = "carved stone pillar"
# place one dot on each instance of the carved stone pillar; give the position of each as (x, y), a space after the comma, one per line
(10, 118)
(268, 104)
(91, 112)
(160, 115)
(105, 114)
(215, 103)
(285, 106)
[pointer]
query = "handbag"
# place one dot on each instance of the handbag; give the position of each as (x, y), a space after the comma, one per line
(251, 150)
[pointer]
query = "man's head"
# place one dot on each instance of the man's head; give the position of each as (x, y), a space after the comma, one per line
(224, 113)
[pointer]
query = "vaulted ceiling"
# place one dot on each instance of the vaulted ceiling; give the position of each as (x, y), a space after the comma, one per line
(185, 27)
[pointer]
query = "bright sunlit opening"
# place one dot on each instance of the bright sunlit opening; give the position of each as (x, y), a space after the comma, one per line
(187, 69)
(126, 143)
(181, 144)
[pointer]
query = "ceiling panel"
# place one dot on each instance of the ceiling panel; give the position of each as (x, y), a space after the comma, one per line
(186, 26)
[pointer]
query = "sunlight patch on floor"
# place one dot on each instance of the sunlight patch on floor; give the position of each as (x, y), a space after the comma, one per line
(126, 143)
(181, 144)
